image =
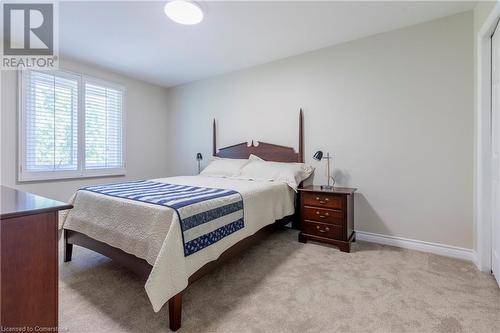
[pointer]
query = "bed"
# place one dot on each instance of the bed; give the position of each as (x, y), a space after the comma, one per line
(152, 239)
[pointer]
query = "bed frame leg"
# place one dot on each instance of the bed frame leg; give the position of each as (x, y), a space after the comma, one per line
(175, 311)
(68, 248)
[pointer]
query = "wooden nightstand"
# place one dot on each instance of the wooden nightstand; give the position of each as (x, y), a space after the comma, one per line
(327, 216)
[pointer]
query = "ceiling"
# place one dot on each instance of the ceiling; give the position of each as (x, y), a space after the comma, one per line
(137, 39)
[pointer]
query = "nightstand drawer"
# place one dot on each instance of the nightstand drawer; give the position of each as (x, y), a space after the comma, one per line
(322, 229)
(322, 200)
(323, 215)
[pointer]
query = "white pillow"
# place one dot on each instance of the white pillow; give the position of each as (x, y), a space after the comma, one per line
(290, 173)
(253, 157)
(224, 167)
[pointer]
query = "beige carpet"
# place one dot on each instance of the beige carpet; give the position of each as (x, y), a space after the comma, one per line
(281, 285)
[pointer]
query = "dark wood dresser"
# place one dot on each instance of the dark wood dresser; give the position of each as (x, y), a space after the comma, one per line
(28, 261)
(327, 216)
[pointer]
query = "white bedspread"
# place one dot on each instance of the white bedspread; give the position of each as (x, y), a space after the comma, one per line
(153, 232)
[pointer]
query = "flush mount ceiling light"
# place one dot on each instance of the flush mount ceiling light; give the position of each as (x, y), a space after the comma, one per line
(184, 12)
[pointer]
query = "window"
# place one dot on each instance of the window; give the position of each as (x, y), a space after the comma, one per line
(70, 126)
(103, 127)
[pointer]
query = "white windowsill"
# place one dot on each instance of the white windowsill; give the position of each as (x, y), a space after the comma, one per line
(68, 175)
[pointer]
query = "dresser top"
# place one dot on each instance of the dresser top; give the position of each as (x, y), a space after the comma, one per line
(14, 203)
(336, 190)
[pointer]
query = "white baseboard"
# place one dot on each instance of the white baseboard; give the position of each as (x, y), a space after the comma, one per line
(413, 244)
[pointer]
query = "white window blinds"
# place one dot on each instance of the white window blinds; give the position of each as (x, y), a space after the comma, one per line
(70, 126)
(50, 122)
(103, 127)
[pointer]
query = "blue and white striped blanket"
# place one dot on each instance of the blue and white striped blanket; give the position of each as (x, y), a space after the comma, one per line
(206, 214)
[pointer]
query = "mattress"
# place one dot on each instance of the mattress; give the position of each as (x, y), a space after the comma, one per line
(153, 232)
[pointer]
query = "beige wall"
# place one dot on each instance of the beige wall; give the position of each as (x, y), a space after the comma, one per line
(395, 110)
(145, 133)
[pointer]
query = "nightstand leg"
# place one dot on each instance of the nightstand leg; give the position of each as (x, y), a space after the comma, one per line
(345, 247)
(302, 239)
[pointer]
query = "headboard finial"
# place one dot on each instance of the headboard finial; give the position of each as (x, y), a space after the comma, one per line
(214, 142)
(301, 136)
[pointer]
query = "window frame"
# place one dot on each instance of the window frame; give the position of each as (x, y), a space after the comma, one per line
(81, 172)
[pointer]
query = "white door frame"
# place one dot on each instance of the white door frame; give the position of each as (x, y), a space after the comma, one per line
(483, 173)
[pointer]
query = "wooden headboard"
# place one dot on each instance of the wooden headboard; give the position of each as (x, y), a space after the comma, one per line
(266, 151)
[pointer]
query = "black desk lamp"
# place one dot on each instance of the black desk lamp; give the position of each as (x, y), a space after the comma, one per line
(199, 157)
(318, 156)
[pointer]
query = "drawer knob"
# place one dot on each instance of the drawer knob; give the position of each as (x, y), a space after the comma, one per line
(322, 216)
(320, 230)
(324, 201)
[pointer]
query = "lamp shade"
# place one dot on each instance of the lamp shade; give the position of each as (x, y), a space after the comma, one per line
(318, 155)
(199, 157)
